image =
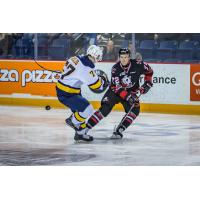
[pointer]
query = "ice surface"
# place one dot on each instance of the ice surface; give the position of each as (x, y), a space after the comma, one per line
(34, 136)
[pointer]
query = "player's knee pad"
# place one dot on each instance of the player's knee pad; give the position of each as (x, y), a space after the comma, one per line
(94, 119)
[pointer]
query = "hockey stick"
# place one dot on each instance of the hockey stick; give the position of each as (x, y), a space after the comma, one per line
(127, 114)
(46, 68)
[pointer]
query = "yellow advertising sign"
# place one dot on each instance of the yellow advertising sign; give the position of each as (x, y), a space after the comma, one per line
(28, 78)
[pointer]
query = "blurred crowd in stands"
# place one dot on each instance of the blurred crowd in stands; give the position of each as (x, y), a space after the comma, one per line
(154, 47)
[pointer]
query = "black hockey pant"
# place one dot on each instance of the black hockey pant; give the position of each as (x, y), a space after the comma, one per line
(109, 100)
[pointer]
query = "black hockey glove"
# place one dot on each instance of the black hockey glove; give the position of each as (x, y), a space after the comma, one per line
(145, 87)
(104, 77)
(105, 81)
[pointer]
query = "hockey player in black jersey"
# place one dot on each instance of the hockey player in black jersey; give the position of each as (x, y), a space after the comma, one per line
(123, 89)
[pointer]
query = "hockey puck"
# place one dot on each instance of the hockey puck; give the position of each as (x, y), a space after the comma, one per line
(47, 107)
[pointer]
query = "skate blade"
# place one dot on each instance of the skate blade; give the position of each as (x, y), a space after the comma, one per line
(81, 141)
(71, 126)
(115, 137)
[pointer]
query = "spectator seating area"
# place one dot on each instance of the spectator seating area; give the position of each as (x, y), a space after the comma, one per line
(176, 48)
(170, 51)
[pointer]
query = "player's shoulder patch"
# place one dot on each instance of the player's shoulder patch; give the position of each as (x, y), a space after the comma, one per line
(146, 66)
(114, 68)
(75, 60)
(116, 65)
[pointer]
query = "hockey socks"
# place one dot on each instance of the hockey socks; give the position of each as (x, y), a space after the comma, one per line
(94, 119)
(125, 123)
(128, 120)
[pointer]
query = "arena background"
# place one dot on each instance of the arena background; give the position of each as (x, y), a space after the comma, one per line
(174, 57)
(137, 182)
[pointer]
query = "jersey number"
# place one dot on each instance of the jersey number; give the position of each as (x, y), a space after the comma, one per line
(92, 73)
(69, 70)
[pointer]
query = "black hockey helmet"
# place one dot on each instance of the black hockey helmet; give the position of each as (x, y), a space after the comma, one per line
(124, 51)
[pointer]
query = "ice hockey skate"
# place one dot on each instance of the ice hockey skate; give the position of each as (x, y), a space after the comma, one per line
(117, 133)
(70, 123)
(81, 134)
(83, 137)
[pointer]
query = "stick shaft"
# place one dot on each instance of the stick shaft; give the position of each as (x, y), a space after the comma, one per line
(127, 114)
(46, 68)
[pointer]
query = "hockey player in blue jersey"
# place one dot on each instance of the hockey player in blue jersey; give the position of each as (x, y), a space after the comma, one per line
(79, 70)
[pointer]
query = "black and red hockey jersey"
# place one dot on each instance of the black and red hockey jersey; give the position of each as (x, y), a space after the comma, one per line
(126, 80)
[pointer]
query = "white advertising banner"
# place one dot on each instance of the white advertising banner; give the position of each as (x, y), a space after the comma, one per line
(171, 84)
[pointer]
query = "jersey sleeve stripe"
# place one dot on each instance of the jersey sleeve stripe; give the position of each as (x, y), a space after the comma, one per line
(96, 85)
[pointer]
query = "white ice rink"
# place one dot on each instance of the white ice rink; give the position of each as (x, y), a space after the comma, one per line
(34, 136)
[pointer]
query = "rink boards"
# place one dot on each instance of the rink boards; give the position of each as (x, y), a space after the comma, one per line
(176, 86)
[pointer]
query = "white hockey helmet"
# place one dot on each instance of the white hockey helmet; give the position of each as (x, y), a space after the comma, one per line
(96, 52)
